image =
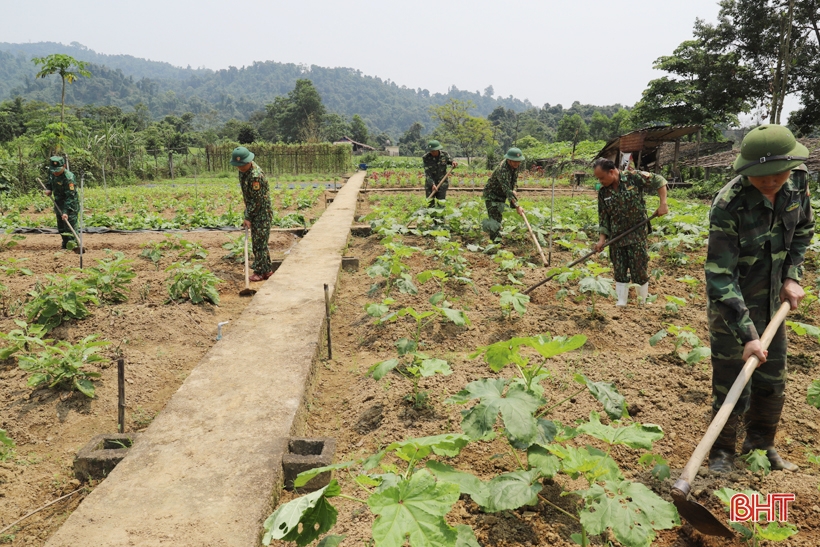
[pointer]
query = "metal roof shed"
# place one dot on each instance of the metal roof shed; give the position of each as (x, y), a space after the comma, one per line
(646, 143)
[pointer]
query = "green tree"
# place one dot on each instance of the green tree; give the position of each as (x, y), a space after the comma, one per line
(247, 134)
(334, 127)
(67, 67)
(470, 133)
(411, 143)
(572, 128)
(294, 117)
(600, 127)
(358, 129)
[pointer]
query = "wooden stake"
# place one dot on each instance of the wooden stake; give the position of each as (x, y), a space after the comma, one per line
(327, 317)
(121, 395)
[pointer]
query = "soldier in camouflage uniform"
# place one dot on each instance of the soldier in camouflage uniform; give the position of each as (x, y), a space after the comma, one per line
(621, 206)
(500, 190)
(63, 186)
(760, 225)
(435, 163)
(258, 211)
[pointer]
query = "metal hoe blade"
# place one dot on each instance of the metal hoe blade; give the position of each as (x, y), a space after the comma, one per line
(697, 515)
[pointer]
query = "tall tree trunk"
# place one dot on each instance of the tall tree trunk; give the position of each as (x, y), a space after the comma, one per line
(781, 82)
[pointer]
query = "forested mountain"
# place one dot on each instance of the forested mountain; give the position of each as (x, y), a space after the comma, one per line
(125, 81)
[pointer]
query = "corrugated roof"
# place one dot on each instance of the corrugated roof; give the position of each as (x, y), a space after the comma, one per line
(652, 137)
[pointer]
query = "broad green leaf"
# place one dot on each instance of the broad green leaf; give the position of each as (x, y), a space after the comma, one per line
(405, 285)
(429, 367)
(697, 355)
(284, 522)
(330, 541)
(5, 439)
(449, 445)
(436, 298)
(516, 406)
(550, 347)
(590, 462)
(657, 337)
(84, 386)
(467, 483)
(517, 300)
(802, 329)
(634, 435)
(606, 393)
(777, 531)
(675, 300)
(631, 510)
(758, 461)
(813, 394)
(367, 480)
(660, 467)
(538, 458)
(458, 317)
(376, 310)
(372, 461)
(305, 476)
(414, 510)
(466, 537)
(512, 490)
(725, 494)
(378, 370)
(500, 354)
(405, 346)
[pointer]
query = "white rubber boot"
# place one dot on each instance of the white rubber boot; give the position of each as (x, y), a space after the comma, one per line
(643, 292)
(622, 290)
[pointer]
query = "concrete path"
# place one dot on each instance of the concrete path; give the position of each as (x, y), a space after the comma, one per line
(205, 471)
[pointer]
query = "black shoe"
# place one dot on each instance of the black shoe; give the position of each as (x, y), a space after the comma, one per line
(722, 454)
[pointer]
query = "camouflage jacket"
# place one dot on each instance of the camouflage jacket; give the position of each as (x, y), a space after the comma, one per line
(435, 167)
(501, 184)
(753, 247)
(256, 192)
(64, 191)
(621, 209)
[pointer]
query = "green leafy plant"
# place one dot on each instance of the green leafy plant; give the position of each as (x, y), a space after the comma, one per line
(153, 251)
(62, 365)
(8, 239)
(511, 299)
(111, 277)
(390, 266)
(63, 297)
(808, 302)
(594, 285)
(13, 266)
(804, 329)
(236, 249)
(683, 336)
(420, 366)
(6, 446)
(660, 467)
(758, 461)
(192, 281)
(813, 394)
(752, 533)
(674, 304)
(22, 339)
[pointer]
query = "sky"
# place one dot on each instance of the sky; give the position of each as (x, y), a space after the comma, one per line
(592, 51)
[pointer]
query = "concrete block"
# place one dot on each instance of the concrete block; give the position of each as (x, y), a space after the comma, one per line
(102, 453)
(350, 263)
(361, 230)
(304, 454)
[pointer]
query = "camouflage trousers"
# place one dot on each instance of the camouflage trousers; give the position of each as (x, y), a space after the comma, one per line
(630, 260)
(64, 230)
(260, 235)
(495, 210)
(441, 192)
(769, 379)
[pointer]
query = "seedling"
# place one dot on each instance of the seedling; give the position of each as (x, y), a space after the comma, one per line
(111, 278)
(63, 297)
(420, 366)
(192, 281)
(511, 299)
(6, 446)
(683, 336)
(13, 266)
(674, 304)
(23, 339)
(593, 285)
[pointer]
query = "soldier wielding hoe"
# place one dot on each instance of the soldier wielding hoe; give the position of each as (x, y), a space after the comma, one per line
(621, 206)
(258, 211)
(760, 225)
(62, 186)
(435, 163)
(500, 188)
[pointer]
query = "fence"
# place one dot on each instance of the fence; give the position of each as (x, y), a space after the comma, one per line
(287, 159)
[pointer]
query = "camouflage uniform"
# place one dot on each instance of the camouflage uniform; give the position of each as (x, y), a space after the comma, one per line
(434, 170)
(754, 247)
(64, 191)
(620, 210)
(499, 189)
(258, 211)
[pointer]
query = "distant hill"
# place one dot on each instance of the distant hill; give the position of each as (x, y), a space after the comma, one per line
(124, 81)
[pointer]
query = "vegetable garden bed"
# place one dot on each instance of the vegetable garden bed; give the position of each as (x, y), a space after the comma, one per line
(619, 416)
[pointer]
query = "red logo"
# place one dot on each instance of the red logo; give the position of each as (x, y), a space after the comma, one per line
(775, 507)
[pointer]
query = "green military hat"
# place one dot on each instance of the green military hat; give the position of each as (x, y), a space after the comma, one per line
(514, 154)
(434, 145)
(241, 156)
(55, 163)
(768, 150)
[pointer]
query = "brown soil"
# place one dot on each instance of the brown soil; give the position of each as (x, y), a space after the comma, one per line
(161, 343)
(658, 386)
